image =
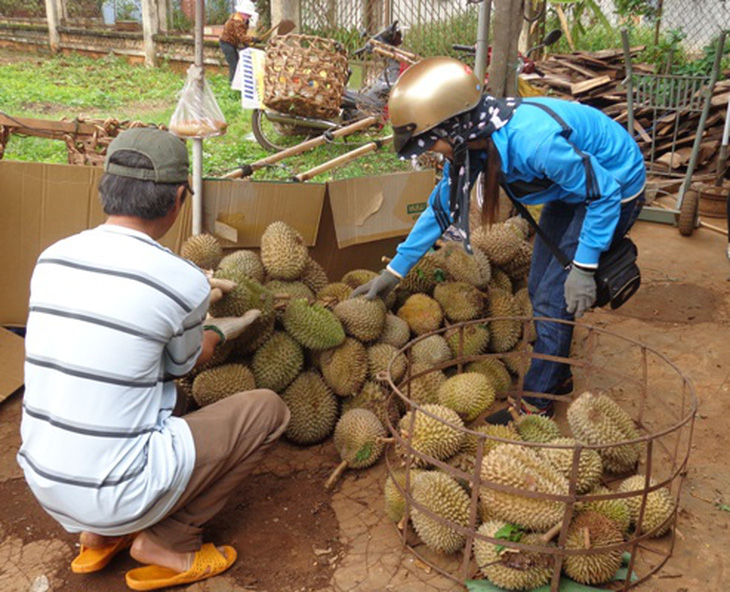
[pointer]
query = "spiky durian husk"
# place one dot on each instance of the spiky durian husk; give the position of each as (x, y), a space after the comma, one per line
(313, 408)
(524, 307)
(594, 568)
(277, 362)
(361, 318)
(220, 382)
(469, 394)
(517, 466)
(498, 242)
(517, 363)
(283, 252)
(314, 276)
(462, 267)
(358, 277)
(500, 280)
(460, 301)
(424, 276)
(524, 570)
(430, 351)
(485, 269)
(314, 326)
(590, 466)
(519, 266)
(424, 389)
(291, 289)
(465, 459)
(358, 435)
(202, 249)
(536, 428)
(248, 294)
(379, 360)
(244, 262)
(504, 333)
(616, 510)
(475, 341)
(422, 313)
(519, 224)
(442, 495)
(395, 331)
(332, 294)
(431, 435)
(660, 505)
(345, 367)
(373, 397)
(598, 420)
(495, 370)
(395, 503)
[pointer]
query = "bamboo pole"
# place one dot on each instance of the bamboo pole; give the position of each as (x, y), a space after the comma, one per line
(343, 159)
(198, 142)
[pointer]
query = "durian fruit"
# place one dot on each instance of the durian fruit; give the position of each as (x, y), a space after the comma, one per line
(517, 363)
(519, 570)
(598, 420)
(283, 252)
(441, 495)
(524, 308)
(395, 503)
(202, 249)
(184, 386)
(379, 359)
(245, 263)
(590, 467)
(519, 266)
(247, 294)
(361, 318)
(465, 459)
(314, 276)
(422, 313)
(660, 505)
(222, 381)
(462, 267)
(358, 277)
(358, 440)
(469, 394)
(431, 351)
(254, 337)
(277, 362)
(424, 389)
(291, 289)
(395, 331)
(521, 225)
(482, 280)
(616, 510)
(424, 276)
(433, 436)
(313, 408)
(591, 530)
(314, 326)
(519, 467)
(495, 370)
(500, 280)
(475, 340)
(537, 428)
(333, 294)
(498, 242)
(345, 367)
(373, 397)
(460, 301)
(505, 333)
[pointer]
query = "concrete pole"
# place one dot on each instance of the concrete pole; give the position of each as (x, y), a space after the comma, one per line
(162, 17)
(198, 143)
(61, 11)
(287, 9)
(150, 26)
(480, 62)
(54, 39)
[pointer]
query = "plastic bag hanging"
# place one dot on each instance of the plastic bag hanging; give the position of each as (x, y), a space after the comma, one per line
(197, 114)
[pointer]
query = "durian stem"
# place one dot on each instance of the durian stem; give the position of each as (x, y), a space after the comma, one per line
(282, 296)
(385, 259)
(513, 413)
(552, 533)
(281, 305)
(384, 440)
(336, 474)
(587, 538)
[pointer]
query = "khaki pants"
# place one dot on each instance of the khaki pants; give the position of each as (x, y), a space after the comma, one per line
(231, 437)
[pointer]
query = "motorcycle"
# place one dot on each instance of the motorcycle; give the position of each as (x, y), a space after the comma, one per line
(275, 131)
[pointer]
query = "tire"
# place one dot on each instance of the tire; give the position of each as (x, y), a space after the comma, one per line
(275, 137)
(688, 213)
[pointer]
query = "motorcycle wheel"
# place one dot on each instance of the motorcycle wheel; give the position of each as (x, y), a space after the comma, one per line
(275, 137)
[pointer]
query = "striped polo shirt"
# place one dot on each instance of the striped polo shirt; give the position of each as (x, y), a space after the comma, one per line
(114, 316)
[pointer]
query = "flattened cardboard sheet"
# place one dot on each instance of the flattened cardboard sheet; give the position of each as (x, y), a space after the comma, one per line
(12, 354)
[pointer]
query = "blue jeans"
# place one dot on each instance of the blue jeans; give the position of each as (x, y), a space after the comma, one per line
(231, 55)
(562, 223)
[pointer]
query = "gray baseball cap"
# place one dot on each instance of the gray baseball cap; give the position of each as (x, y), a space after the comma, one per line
(167, 153)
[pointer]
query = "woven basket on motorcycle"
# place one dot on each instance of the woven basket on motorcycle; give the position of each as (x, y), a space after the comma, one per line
(305, 75)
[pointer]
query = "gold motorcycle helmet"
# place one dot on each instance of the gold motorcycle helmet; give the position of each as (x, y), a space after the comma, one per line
(427, 94)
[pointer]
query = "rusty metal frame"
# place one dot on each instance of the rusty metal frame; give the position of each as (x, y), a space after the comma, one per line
(638, 541)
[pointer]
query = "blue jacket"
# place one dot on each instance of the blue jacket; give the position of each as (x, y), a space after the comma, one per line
(585, 158)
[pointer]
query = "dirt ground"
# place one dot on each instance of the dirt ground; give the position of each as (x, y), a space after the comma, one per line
(293, 536)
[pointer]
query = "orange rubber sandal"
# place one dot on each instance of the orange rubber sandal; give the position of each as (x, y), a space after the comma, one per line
(208, 562)
(94, 559)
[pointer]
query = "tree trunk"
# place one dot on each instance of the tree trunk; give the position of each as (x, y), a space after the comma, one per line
(506, 29)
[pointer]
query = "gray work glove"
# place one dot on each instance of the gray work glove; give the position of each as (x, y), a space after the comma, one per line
(378, 287)
(231, 327)
(580, 291)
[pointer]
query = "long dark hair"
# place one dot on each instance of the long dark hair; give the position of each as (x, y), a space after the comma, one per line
(490, 185)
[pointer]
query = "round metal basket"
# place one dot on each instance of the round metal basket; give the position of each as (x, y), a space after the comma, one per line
(645, 383)
(305, 75)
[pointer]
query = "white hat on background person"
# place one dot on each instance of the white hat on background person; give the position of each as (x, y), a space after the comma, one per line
(245, 7)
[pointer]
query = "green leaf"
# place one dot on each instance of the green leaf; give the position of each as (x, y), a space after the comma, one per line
(509, 532)
(723, 507)
(598, 13)
(364, 453)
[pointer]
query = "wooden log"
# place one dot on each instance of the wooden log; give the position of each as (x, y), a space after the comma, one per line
(586, 85)
(43, 128)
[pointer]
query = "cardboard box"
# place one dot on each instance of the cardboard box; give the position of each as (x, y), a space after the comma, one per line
(12, 355)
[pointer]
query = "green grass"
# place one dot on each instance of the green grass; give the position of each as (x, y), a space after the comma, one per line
(56, 87)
